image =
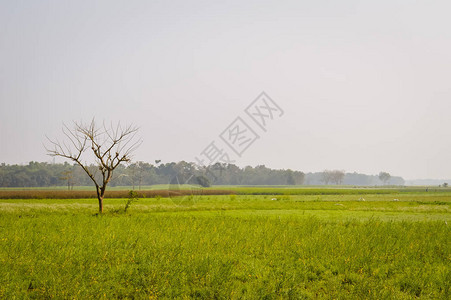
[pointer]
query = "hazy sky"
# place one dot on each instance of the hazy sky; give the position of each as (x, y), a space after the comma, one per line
(364, 85)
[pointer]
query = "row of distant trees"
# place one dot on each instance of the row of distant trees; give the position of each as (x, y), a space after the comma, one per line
(357, 179)
(339, 176)
(138, 174)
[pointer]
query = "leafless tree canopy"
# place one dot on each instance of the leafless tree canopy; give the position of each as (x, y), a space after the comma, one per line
(108, 144)
(335, 176)
(384, 177)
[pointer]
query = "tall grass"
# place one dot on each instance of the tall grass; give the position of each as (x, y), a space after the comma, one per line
(183, 255)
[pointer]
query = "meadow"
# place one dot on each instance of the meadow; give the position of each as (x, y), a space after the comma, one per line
(281, 243)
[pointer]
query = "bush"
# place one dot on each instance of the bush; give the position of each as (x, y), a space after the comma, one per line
(132, 197)
(203, 181)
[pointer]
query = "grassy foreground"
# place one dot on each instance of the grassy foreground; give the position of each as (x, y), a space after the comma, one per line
(234, 246)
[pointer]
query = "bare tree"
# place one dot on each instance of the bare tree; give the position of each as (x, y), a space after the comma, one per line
(384, 177)
(338, 176)
(109, 145)
(68, 175)
(326, 176)
(335, 176)
(137, 173)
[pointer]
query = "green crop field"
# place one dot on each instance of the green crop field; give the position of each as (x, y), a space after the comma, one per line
(285, 243)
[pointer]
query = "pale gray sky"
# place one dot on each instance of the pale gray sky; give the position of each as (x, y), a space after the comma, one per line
(365, 85)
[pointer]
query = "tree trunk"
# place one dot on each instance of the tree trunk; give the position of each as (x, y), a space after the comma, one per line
(100, 194)
(100, 204)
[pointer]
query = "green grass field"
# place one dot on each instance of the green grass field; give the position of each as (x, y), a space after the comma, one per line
(373, 244)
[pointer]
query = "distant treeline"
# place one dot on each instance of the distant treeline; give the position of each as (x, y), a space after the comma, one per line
(354, 179)
(138, 174)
